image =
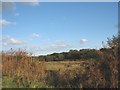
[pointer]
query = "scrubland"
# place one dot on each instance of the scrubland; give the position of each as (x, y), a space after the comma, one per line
(21, 70)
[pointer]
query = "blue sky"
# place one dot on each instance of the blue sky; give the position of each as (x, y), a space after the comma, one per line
(44, 28)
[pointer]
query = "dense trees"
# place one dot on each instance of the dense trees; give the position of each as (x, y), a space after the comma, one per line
(75, 55)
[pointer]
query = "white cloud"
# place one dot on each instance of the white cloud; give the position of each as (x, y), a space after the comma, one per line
(14, 41)
(7, 40)
(35, 35)
(82, 41)
(5, 22)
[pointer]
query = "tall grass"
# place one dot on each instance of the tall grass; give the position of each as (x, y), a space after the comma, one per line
(20, 66)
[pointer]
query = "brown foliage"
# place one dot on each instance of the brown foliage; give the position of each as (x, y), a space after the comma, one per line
(20, 66)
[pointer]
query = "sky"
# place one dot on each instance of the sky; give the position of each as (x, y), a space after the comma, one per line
(48, 27)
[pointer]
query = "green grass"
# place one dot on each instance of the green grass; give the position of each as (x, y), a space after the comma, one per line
(8, 83)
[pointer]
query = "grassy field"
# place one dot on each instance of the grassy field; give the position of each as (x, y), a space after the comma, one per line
(62, 65)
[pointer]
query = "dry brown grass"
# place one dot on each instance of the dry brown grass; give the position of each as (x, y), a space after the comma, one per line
(20, 66)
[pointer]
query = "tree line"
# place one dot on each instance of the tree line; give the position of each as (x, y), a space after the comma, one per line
(84, 54)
